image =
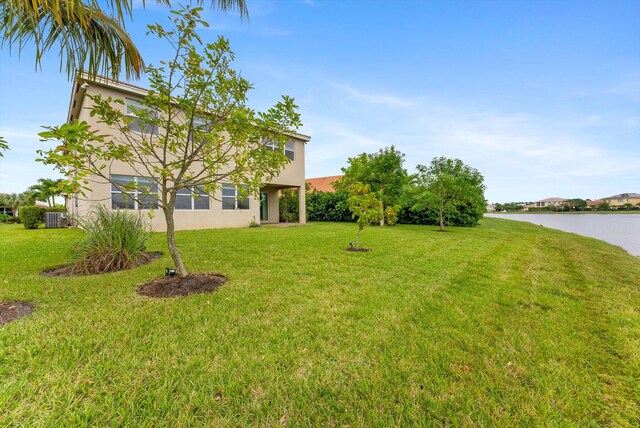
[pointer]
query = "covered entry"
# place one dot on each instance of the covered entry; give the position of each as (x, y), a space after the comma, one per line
(270, 203)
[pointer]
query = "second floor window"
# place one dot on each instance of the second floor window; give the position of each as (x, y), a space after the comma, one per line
(138, 125)
(230, 195)
(289, 148)
(133, 193)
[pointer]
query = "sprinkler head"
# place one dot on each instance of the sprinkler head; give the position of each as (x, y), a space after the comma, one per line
(169, 271)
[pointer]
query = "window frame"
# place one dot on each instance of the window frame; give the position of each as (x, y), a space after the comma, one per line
(192, 191)
(237, 202)
(292, 150)
(135, 193)
(130, 114)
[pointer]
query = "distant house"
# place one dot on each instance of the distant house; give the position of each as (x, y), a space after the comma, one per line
(491, 208)
(622, 199)
(549, 202)
(322, 184)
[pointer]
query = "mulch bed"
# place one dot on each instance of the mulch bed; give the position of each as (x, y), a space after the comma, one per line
(67, 270)
(358, 250)
(175, 286)
(10, 311)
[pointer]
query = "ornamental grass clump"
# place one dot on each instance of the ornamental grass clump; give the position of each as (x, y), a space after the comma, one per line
(115, 240)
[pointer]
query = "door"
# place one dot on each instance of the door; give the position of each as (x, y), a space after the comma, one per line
(264, 206)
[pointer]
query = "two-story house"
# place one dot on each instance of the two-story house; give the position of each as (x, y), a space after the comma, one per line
(202, 211)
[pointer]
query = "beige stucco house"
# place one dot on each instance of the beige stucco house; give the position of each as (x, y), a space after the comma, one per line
(207, 211)
(549, 202)
(622, 199)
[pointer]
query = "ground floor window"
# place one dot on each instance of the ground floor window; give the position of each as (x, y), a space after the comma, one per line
(192, 198)
(133, 193)
(232, 198)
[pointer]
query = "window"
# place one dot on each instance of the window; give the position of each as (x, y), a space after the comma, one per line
(139, 125)
(230, 195)
(271, 145)
(125, 189)
(199, 123)
(192, 198)
(288, 150)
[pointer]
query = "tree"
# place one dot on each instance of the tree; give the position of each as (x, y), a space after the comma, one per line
(382, 171)
(3, 146)
(194, 130)
(365, 206)
(448, 183)
(16, 200)
(46, 190)
(575, 204)
(86, 34)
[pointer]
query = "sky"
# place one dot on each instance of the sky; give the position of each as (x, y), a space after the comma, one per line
(542, 97)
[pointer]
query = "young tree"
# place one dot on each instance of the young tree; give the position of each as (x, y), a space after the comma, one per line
(365, 206)
(192, 131)
(446, 183)
(382, 171)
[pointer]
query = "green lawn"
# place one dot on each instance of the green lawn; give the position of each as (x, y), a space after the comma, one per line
(503, 324)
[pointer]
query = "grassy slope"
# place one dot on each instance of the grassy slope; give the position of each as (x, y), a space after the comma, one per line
(506, 323)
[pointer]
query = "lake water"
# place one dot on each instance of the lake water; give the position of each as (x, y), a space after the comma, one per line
(622, 230)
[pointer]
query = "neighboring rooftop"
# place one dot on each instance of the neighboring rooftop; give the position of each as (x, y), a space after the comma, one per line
(322, 184)
(624, 195)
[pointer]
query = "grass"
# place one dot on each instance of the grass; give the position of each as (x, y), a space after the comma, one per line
(504, 324)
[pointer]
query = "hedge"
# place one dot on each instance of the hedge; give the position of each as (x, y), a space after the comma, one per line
(333, 206)
(36, 215)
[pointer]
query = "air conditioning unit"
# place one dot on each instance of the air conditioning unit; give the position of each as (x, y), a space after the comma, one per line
(55, 220)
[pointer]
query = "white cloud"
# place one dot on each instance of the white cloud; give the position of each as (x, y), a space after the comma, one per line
(375, 99)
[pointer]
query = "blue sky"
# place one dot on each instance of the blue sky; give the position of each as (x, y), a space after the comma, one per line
(542, 97)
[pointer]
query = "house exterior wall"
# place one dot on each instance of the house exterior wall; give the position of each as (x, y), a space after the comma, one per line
(292, 175)
(620, 200)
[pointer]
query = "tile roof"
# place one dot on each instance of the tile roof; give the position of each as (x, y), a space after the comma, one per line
(322, 184)
(624, 195)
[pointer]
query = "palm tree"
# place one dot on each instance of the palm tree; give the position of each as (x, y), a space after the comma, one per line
(86, 35)
(16, 200)
(46, 190)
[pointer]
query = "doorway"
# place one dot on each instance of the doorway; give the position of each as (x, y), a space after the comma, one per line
(264, 206)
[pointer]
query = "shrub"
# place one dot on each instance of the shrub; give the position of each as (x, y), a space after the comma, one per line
(328, 206)
(391, 215)
(4, 218)
(114, 241)
(31, 217)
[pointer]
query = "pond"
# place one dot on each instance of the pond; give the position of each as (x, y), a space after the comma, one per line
(622, 230)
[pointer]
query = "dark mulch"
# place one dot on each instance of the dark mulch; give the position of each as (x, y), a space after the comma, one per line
(358, 250)
(70, 270)
(10, 311)
(175, 286)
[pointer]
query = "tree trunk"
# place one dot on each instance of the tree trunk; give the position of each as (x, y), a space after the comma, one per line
(441, 220)
(381, 214)
(171, 243)
(358, 238)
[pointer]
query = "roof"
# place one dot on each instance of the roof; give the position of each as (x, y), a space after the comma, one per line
(322, 184)
(83, 80)
(624, 195)
(591, 203)
(553, 200)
